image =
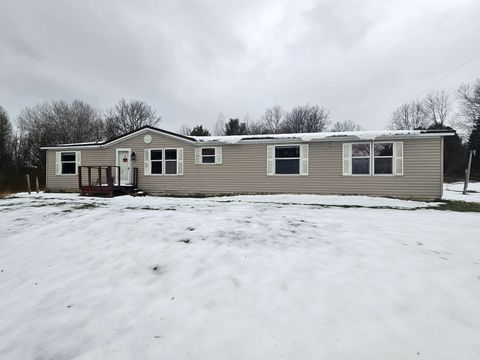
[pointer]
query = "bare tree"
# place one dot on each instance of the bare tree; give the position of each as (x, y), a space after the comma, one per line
(295, 120)
(253, 127)
(469, 98)
(256, 127)
(272, 119)
(83, 122)
(305, 119)
(347, 125)
(410, 116)
(185, 130)
(129, 116)
(438, 107)
(318, 119)
(219, 129)
(53, 123)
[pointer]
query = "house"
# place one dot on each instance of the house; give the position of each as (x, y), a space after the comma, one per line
(406, 164)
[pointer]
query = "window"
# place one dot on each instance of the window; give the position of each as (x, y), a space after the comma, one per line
(163, 162)
(208, 155)
(287, 160)
(383, 158)
(69, 163)
(170, 161)
(361, 159)
(373, 158)
(156, 158)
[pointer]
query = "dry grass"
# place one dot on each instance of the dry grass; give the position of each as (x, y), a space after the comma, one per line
(5, 193)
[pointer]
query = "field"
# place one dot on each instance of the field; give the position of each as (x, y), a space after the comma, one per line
(247, 277)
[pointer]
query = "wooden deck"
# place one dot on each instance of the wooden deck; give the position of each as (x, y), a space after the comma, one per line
(105, 181)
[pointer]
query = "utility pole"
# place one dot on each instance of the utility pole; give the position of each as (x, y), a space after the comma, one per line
(467, 171)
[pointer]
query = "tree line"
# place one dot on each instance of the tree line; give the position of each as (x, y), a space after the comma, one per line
(275, 120)
(436, 111)
(439, 111)
(63, 122)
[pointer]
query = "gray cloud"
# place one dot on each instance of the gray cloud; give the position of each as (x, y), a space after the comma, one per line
(193, 59)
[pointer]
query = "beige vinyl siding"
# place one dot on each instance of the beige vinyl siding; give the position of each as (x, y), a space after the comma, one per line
(244, 170)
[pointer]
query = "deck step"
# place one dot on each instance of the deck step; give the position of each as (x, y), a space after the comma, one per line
(137, 192)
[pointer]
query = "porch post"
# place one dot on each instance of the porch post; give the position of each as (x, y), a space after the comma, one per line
(80, 177)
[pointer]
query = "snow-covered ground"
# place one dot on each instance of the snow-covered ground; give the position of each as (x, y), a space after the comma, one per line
(330, 200)
(454, 191)
(267, 277)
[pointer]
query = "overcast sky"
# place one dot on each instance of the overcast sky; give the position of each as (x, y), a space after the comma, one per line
(191, 60)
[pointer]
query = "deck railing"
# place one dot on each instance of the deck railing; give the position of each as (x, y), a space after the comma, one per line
(102, 179)
(135, 177)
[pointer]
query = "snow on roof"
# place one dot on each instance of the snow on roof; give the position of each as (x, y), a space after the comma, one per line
(234, 139)
(361, 135)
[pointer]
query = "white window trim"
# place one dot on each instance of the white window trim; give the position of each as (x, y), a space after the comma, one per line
(360, 157)
(77, 162)
(164, 166)
(293, 158)
(177, 160)
(394, 157)
(383, 157)
(214, 155)
(151, 161)
(217, 156)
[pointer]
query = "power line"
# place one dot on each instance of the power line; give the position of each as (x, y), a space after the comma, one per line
(449, 74)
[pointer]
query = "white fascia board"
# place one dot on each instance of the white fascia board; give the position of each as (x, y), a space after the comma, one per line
(116, 141)
(144, 131)
(70, 147)
(258, 141)
(326, 139)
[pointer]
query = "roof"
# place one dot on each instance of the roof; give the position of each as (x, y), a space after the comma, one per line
(301, 137)
(99, 144)
(306, 137)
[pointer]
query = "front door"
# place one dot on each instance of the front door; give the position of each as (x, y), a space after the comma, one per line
(123, 161)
